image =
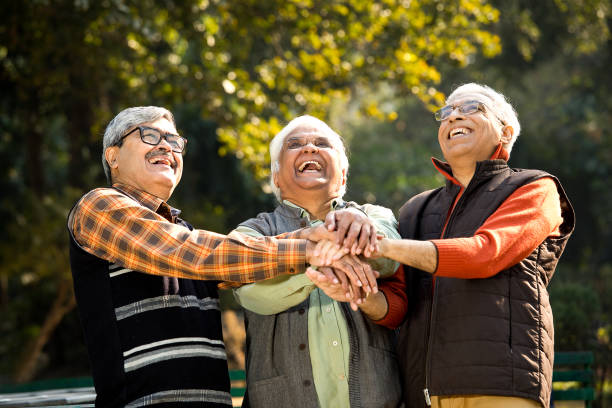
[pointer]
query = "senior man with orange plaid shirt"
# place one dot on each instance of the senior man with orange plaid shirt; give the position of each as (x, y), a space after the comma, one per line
(146, 281)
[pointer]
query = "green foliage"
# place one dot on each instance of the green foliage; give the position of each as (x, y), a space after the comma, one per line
(576, 308)
(234, 72)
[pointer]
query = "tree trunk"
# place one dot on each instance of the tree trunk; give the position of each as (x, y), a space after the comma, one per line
(64, 303)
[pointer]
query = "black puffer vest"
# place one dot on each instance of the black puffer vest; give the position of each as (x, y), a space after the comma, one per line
(489, 336)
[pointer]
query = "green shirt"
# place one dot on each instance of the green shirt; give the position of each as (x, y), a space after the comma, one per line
(328, 337)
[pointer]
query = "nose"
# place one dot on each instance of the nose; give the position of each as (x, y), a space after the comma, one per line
(163, 144)
(455, 115)
(309, 148)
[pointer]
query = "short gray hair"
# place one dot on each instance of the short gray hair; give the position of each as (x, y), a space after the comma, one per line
(126, 120)
(496, 104)
(276, 146)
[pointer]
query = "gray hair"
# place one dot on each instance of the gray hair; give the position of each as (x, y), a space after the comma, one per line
(276, 146)
(496, 104)
(127, 119)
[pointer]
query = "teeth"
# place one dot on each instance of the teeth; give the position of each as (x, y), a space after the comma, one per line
(303, 165)
(162, 161)
(458, 131)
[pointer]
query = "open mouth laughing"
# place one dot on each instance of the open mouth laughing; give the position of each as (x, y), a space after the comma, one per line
(310, 166)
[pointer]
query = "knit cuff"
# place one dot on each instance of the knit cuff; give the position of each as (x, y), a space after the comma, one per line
(450, 256)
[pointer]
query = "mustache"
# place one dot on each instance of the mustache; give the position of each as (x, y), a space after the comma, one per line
(161, 152)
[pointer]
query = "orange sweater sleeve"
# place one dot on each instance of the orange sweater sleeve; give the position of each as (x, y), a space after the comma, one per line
(521, 223)
(394, 289)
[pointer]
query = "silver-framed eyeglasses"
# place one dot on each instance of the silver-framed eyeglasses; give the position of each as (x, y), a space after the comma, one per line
(466, 108)
(153, 137)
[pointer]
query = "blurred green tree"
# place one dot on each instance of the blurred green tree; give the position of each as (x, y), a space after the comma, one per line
(233, 71)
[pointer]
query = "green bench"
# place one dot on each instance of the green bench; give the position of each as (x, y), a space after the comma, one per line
(573, 377)
(238, 381)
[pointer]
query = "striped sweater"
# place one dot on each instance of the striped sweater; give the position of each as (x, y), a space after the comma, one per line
(146, 347)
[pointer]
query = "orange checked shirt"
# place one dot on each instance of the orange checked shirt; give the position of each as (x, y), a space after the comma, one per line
(137, 230)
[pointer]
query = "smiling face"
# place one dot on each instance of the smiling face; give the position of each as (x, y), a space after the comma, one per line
(473, 137)
(153, 169)
(309, 163)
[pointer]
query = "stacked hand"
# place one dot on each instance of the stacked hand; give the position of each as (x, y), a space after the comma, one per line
(354, 231)
(342, 275)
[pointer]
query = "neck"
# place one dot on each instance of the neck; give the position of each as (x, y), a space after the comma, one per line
(463, 171)
(317, 209)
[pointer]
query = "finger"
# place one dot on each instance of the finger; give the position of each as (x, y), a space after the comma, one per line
(360, 269)
(352, 235)
(345, 266)
(343, 225)
(330, 221)
(329, 274)
(333, 252)
(364, 238)
(322, 251)
(313, 275)
(371, 276)
(373, 239)
(344, 282)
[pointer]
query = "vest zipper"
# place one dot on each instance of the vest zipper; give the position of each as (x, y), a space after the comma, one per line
(434, 297)
(429, 347)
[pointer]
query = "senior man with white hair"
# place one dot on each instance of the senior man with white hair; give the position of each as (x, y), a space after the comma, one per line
(477, 255)
(303, 348)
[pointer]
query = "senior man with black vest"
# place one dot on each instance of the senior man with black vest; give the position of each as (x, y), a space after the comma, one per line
(477, 255)
(303, 348)
(145, 280)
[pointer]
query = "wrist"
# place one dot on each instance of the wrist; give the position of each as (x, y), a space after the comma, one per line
(375, 307)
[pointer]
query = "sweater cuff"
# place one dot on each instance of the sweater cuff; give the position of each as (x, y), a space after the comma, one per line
(450, 256)
(394, 315)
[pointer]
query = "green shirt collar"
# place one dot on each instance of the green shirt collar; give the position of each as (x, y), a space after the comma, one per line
(335, 203)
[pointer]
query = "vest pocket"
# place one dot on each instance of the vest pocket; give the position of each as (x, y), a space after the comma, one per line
(271, 392)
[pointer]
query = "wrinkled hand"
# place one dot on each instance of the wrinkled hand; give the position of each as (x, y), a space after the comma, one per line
(354, 276)
(323, 253)
(324, 279)
(318, 233)
(354, 230)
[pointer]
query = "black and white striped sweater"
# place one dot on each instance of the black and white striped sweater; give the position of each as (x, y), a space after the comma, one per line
(147, 348)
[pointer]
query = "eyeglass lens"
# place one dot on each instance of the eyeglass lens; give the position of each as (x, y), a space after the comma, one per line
(153, 137)
(465, 109)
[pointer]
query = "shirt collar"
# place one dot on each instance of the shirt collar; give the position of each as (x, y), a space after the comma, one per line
(445, 169)
(150, 201)
(335, 203)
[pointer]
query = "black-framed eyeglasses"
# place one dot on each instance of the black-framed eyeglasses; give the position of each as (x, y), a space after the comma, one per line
(153, 137)
(466, 108)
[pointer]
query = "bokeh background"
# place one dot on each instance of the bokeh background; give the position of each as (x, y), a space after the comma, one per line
(234, 72)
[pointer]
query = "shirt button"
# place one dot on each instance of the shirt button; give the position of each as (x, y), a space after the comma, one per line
(302, 346)
(328, 310)
(306, 383)
(301, 311)
(335, 343)
(291, 270)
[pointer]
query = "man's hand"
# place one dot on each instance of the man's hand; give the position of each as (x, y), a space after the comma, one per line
(354, 276)
(323, 253)
(317, 234)
(354, 230)
(324, 278)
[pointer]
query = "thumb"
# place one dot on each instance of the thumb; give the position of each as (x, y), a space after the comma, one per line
(330, 221)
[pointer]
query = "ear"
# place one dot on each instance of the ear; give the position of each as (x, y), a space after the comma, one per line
(110, 154)
(343, 176)
(275, 178)
(506, 135)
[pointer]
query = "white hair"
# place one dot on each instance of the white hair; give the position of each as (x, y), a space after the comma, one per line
(495, 103)
(276, 146)
(128, 119)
